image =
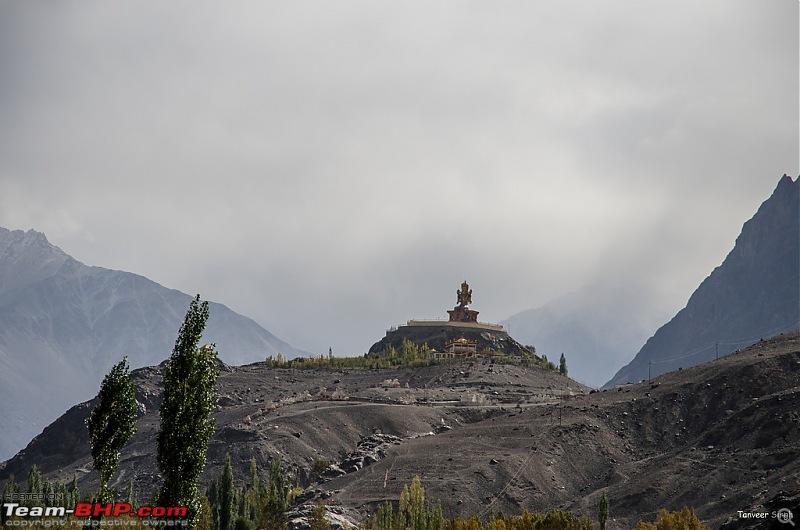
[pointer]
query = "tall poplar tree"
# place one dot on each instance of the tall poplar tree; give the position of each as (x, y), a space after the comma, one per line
(602, 511)
(111, 423)
(227, 496)
(190, 396)
(273, 513)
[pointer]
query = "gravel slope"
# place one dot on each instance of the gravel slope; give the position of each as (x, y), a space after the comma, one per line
(720, 437)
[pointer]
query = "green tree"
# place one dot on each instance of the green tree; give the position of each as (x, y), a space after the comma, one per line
(9, 490)
(74, 492)
(47, 492)
(413, 511)
(384, 517)
(155, 495)
(417, 508)
(562, 365)
(212, 495)
(602, 511)
(34, 485)
(227, 496)
(242, 503)
(317, 521)
(255, 482)
(130, 495)
(546, 364)
(273, 514)
(190, 396)
(319, 467)
(111, 423)
(205, 518)
(253, 493)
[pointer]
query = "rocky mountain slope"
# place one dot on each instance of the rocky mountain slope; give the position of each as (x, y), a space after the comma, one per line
(63, 325)
(720, 437)
(755, 293)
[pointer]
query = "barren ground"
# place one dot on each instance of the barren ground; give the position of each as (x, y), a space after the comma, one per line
(483, 436)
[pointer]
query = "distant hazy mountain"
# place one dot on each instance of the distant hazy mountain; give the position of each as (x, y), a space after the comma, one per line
(598, 328)
(754, 294)
(64, 324)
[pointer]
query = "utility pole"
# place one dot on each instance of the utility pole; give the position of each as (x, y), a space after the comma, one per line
(716, 349)
(649, 365)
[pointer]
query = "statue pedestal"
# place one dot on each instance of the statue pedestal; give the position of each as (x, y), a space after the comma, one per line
(463, 314)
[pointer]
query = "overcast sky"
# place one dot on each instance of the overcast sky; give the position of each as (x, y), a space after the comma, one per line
(331, 169)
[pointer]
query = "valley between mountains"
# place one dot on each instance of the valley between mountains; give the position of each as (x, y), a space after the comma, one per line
(482, 435)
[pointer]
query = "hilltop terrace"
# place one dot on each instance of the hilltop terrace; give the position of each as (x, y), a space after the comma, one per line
(451, 323)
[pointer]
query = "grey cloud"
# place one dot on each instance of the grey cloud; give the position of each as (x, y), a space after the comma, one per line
(331, 170)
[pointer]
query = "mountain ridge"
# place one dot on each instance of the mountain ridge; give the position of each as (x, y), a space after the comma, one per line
(754, 293)
(601, 327)
(63, 324)
(18, 246)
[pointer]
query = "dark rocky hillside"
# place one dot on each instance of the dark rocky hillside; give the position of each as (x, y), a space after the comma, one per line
(437, 336)
(755, 293)
(721, 437)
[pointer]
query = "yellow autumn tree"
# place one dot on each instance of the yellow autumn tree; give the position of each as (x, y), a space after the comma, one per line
(685, 519)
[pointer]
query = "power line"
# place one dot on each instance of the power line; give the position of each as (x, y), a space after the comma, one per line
(729, 342)
(768, 333)
(683, 356)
